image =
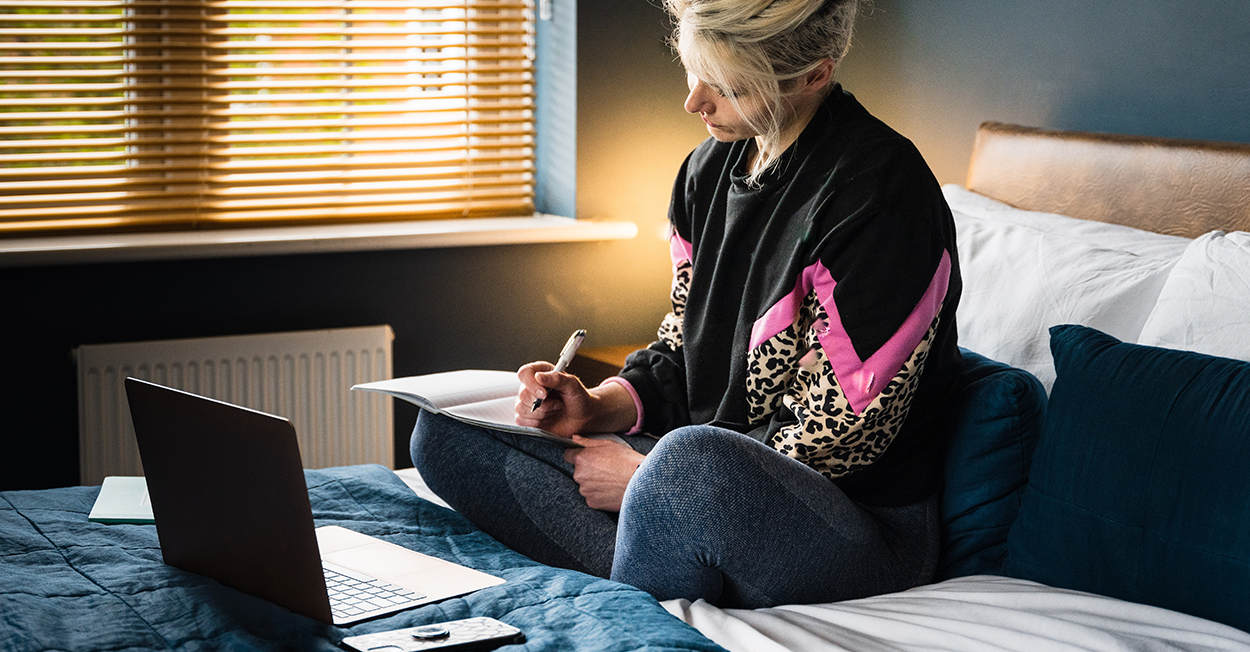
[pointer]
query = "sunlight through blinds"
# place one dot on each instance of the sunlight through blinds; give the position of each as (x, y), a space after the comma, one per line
(158, 114)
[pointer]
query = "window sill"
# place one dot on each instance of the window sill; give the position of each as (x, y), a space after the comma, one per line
(225, 243)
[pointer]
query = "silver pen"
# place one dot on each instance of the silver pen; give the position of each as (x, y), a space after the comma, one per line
(566, 356)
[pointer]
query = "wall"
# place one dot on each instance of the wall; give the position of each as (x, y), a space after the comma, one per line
(935, 69)
(633, 133)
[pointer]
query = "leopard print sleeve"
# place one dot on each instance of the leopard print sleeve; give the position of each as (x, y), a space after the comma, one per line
(670, 332)
(848, 410)
(657, 374)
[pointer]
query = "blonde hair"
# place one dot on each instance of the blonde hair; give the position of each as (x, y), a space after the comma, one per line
(754, 48)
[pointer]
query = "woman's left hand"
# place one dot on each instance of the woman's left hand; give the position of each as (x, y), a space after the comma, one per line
(602, 469)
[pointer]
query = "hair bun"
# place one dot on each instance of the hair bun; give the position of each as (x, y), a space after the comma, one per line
(752, 46)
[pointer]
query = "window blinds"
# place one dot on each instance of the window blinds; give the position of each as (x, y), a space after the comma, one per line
(154, 114)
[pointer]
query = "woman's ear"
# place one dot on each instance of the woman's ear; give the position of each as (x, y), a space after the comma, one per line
(819, 78)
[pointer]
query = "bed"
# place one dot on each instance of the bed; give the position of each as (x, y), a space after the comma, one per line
(1055, 536)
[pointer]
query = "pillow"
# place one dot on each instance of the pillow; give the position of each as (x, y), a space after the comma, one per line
(1139, 487)
(1000, 412)
(1024, 272)
(1205, 303)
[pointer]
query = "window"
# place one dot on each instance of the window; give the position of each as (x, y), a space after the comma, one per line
(156, 114)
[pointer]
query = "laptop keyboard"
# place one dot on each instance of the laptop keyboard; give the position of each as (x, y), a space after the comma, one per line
(353, 595)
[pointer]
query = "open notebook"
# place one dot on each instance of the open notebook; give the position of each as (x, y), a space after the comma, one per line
(475, 396)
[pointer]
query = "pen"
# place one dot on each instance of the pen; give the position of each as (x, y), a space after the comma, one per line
(566, 356)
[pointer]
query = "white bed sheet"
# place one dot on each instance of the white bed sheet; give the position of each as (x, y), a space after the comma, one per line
(413, 479)
(972, 614)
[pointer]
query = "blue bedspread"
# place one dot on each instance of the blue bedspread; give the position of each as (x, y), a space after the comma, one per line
(69, 584)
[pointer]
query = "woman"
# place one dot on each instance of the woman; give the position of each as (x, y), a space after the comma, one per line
(799, 384)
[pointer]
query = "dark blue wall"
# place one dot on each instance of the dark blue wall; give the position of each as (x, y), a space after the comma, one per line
(934, 69)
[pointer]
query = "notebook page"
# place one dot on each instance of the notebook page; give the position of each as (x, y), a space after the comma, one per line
(442, 390)
(500, 411)
(500, 414)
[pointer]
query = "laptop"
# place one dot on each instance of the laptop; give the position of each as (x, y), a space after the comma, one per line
(230, 503)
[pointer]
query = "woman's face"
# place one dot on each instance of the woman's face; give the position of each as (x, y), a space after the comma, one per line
(724, 122)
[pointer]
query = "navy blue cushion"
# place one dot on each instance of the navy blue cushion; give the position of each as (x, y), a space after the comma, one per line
(999, 416)
(1140, 485)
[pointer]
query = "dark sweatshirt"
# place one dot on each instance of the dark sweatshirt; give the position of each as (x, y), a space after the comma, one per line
(816, 310)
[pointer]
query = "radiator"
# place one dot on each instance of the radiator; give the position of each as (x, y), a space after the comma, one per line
(304, 376)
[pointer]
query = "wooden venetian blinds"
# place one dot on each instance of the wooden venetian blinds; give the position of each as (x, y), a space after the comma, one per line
(153, 114)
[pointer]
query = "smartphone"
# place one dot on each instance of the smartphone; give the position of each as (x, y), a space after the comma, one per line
(469, 634)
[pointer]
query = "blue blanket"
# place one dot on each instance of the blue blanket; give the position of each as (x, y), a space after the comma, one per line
(70, 584)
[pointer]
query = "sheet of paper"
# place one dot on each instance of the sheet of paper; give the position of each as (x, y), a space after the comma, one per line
(450, 388)
(501, 411)
(122, 499)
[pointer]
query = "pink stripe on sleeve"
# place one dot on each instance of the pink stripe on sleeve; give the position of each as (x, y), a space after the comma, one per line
(779, 317)
(679, 250)
(783, 313)
(861, 381)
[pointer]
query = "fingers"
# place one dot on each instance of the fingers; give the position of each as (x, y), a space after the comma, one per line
(602, 470)
(594, 450)
(588, 443)
(529, 377)
(540, 417)
(567, 406)
(540, 380)
(535, 381)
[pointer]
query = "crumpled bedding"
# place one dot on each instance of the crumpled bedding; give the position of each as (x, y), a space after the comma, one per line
(70, 584)
(973, 614)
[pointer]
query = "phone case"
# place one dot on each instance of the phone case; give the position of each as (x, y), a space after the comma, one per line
(469, 634)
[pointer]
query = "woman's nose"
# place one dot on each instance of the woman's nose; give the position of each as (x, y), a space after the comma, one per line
(698, 101)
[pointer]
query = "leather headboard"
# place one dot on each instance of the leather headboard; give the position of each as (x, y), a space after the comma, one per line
(1178, 187)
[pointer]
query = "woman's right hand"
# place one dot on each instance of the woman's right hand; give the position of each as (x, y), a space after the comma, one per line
(568, 408)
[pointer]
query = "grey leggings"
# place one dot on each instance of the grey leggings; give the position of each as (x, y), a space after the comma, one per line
(710, 514)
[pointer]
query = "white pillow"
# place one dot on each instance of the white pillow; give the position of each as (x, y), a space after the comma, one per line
(1205, 304)
(1025, 271)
